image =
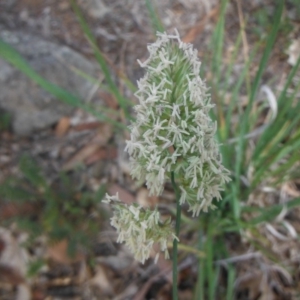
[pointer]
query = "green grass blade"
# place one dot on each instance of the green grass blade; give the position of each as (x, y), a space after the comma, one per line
(228, 148)
(290, 147)
(234, 99)
(101, 60)
(217, 44)
(233, 58)
(223, 121)
(254, 89)
(284, 105)
(209, 251)
(199, 290)
(268, 214)
(267, 52)
(155, 20)
(281, 143)
(287, 169)
(230, 283)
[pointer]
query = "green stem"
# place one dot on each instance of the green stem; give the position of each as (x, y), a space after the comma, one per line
(175, 242)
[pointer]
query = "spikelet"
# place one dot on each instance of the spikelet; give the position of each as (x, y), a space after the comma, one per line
(140, 228)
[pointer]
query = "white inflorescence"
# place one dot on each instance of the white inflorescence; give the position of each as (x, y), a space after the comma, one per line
(140, 228)
(173, 130)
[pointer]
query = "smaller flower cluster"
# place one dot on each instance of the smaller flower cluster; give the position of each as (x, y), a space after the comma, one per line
(172, 134)
(140, 228)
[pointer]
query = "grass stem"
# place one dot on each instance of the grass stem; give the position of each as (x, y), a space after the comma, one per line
(175, 243)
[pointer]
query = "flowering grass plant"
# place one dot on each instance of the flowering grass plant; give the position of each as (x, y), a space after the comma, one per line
(172, 138)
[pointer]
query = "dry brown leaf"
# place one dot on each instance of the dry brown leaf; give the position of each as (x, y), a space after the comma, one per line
(62, 126)
(124, 195)
(10, 275)
(14, 255)
(58, 252)
(291, 189)
(102, 282)
(101, 154)
(104, 133)
(144, 199)
(109, 100)
(256, 283)
(87, 126)
(80, 156)
(100, 140)
(198, 28)
(9, 210)
(266, 292)
(38, 293)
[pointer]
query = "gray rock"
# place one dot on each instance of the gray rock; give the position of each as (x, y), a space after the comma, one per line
(30, 106)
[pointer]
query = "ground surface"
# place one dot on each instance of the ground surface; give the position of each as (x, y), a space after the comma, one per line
(91, 153)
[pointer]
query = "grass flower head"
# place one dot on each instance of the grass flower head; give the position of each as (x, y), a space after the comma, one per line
(173, 131)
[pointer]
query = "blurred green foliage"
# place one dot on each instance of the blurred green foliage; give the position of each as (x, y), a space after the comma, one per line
(5, 120)
(57, 211)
